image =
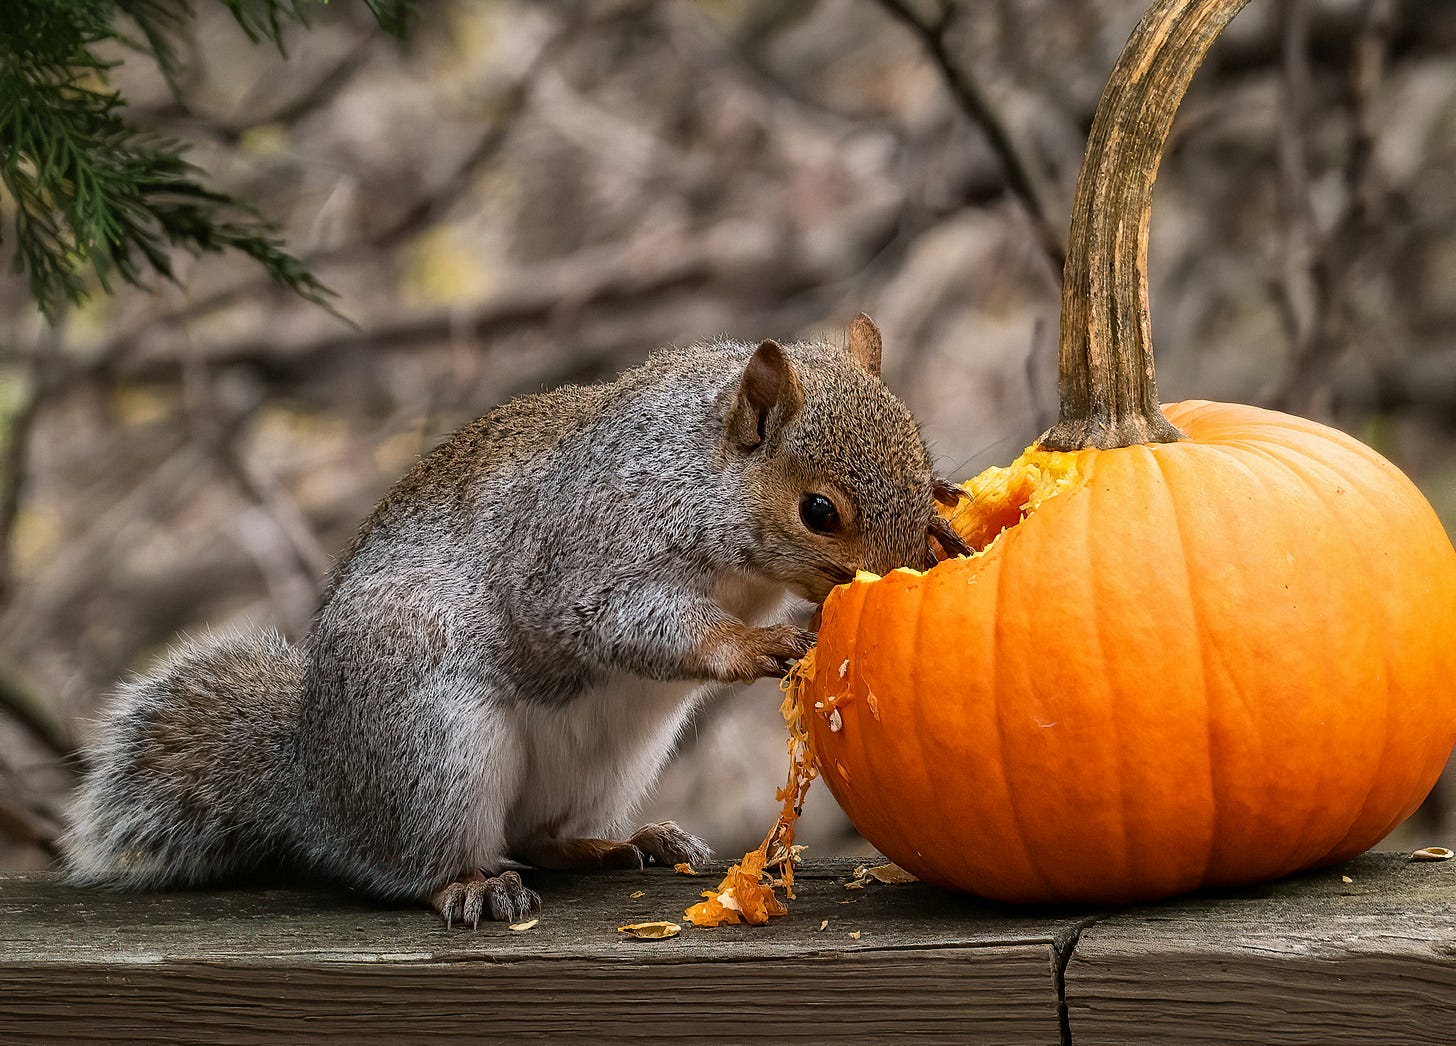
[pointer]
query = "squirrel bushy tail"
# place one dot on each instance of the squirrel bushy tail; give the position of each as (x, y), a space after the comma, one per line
(194, 769)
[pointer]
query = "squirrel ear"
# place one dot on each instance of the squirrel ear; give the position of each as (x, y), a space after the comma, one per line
(769, 395)
(864, 343)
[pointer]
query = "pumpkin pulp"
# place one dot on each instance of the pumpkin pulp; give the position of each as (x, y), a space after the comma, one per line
(1001, 497)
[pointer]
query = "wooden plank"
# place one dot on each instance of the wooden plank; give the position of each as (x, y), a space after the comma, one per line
(1313, 959)
(923, 995)
(243, 965)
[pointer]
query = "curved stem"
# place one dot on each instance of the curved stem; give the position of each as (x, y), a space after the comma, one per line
(1109, 395)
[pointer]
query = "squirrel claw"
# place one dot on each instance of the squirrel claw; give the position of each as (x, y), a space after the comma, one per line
(741, 654)
(469, 897)
(669, 845)
(510, 899)
(781, 646)
(949, 494)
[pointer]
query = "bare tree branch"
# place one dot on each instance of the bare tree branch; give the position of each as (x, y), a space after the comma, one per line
(973, 102)
(325, 86)
(419, 215)
(15, 468)
(25, 826)
(1317, 266)
(36, 712)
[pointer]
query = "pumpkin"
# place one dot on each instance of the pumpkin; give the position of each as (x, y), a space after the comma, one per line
(1200, 645)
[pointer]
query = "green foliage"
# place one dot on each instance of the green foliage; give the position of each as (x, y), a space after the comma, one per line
(88, 192)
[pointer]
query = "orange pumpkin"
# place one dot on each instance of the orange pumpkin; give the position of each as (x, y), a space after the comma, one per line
(1206, 648)
(1198, 663)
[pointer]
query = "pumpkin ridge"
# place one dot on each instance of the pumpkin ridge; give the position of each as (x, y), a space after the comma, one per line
(925, 762)
(874, 786)
(855, 670)
(1299, 849)
(1284, 432)
(1350, 480)
(1290, 428)
(1215, 790)
(1098, 607)
(996, 618)
(1380, 771)
(1234, 680)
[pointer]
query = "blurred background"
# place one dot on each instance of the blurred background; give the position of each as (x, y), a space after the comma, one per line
(525, 194)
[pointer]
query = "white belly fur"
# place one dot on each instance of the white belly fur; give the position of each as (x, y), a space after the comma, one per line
(589, 764)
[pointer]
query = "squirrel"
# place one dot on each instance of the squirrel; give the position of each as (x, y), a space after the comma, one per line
(506, 653)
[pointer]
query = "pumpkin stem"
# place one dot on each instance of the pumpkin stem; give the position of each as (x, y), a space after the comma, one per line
(1109, 395)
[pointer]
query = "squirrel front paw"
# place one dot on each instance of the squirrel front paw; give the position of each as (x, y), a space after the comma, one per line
(742, 654)
(504, 896)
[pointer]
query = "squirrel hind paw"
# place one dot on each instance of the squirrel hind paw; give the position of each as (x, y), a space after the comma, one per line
(504, 897)
(669, 845)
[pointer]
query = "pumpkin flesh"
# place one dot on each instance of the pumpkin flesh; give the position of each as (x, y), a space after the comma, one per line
(1169, 666)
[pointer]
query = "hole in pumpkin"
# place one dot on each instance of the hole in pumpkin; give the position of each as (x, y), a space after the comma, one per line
(1003, 496)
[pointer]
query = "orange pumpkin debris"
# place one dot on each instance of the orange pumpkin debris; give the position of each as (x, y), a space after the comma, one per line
(746, 893)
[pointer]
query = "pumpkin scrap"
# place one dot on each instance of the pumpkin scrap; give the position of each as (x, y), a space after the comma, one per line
(651, 931)
(1432, 853)
(683, 868)
(746, 893)
(890, 874)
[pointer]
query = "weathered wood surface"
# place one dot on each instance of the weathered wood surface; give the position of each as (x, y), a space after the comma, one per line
(1314, 960)
(1311, 959)
(235, 966)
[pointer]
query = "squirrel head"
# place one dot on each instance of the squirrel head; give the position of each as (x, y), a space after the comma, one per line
(837, 474)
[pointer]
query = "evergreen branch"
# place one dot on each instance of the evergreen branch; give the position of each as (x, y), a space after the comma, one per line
(393, 16)
(159, 22)
(91, 197)
(264, 19)
(91, 191)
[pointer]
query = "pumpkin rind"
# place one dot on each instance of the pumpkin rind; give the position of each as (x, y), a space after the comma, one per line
(1207, 662)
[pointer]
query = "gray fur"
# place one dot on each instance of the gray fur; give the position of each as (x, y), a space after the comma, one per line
(193, 768)
(511, 645)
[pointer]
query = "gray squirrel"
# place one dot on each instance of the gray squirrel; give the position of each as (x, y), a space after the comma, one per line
(508, 650)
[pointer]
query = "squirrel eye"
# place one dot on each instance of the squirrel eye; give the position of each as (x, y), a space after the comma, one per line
(819, 514)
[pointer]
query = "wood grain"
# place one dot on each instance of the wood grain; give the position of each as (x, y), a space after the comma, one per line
(279, 964)
(1313, 959)
(926, 995)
